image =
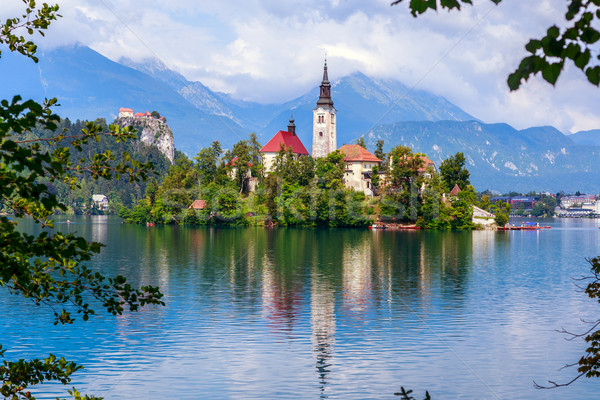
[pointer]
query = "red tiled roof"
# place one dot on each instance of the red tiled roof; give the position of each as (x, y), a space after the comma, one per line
(123, 109)
(426, 163)
(354, 152)
(233, 162)
(198, 204)
(287, 140)
(455, 190)
(139, 114)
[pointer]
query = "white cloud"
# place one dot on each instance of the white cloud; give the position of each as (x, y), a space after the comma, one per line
(269, 50)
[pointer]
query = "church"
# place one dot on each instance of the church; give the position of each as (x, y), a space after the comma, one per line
(359, 161)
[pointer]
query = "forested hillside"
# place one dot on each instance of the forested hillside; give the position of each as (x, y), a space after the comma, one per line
(119, 191)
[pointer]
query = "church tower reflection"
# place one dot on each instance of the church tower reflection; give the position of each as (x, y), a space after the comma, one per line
(322, 318)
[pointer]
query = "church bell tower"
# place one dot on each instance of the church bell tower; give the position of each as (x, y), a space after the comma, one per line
(324, 121)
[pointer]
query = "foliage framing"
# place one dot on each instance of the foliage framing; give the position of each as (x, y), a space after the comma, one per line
(48, 268)
(548, 54)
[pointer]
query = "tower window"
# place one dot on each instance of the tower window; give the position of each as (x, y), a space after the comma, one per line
(320, 133)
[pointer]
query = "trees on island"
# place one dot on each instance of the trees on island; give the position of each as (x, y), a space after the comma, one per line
(302, 191)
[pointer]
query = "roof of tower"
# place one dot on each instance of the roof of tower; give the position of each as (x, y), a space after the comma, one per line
(286, 140)
(325, 92)
(354, 152)
(325, 77)
(292, 126)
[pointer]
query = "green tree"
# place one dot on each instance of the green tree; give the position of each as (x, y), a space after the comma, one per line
(576, 41)
(207, 162)
(404, 168)
(50, 268)
(453, 172)
(330, 170)
(361, 142)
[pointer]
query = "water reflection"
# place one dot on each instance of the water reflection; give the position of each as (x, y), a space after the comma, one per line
(322, 318)
(329, 313)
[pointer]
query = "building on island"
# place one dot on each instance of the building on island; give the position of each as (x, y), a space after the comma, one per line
(359, 168)
(250, 182)
(282, 140)
(455, 190)
(426, 167)
(324, 120)
(198, 205)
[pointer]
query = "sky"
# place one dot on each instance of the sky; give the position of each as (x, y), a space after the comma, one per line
(271, 51)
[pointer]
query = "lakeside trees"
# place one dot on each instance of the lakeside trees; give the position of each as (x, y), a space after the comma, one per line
(49, 268)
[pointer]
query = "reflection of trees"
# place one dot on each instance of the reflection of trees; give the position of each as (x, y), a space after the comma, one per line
(421, 262)
(280, 295)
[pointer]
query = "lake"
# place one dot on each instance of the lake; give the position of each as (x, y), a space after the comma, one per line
(257, 313)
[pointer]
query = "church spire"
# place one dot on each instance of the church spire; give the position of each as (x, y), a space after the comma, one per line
(325, 77)
(292, 126)
(325, 94)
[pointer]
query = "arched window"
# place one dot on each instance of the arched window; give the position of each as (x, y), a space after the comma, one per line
(320, 133)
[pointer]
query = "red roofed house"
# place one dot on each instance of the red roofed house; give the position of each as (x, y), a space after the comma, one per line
(285, 140)
(125, 112)
(198, 205)
(359, 168)
(233, 170)
(250, 182)
(426, 164)
(140, 114)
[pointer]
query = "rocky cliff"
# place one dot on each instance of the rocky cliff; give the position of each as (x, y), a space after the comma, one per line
(153, 132)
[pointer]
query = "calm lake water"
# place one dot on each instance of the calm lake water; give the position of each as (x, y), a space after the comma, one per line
(254, 313)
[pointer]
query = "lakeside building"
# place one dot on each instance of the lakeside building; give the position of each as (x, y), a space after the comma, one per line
(250, 182)
(577, 201)
(523, 202)
(282, 140)
(101, 201)
(426, 167)
(359, 168)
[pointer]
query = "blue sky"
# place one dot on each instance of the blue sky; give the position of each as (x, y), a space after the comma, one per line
(272, 50)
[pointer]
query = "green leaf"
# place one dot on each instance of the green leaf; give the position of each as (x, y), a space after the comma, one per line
(551, 72)
(582, 59)
(593, 75)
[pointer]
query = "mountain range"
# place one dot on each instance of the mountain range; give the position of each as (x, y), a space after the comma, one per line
(89, 85)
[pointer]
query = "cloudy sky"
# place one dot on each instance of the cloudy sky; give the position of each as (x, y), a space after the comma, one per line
(272, 50)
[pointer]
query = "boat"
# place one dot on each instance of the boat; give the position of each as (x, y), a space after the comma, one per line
(533, 226)
(377, 226)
